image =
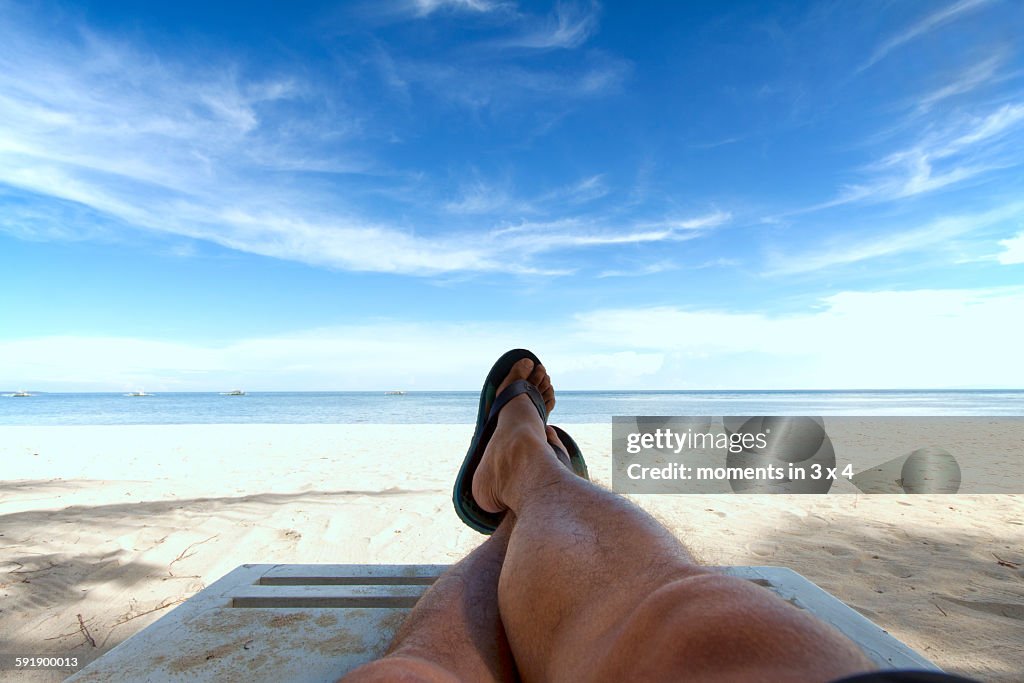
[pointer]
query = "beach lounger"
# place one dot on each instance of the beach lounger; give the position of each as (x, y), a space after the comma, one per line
(300, 622)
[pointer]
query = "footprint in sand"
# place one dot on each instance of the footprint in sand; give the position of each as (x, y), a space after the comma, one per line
(900, 571)
(799, 526)
(763, 548)
(999, 609)
(814, 522)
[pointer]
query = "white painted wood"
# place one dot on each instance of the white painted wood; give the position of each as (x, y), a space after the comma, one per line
(313, 623)
(884, 650)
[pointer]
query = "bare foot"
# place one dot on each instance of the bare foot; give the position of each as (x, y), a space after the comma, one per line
(520, 433)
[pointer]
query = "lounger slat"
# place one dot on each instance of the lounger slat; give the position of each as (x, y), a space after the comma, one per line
(328, 596)
(352, 575)
(354, 571)
(313, 623)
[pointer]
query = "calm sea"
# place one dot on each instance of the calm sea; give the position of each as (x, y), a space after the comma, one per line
(459, 407)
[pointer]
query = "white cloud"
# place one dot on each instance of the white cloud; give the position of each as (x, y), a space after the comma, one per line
(963, 151)
(535, 237)
(970, 79)
(586, 190)
(942, 157)
(881, 339)
(888, 243)
(428, 7)
(1013, 250)
(984, 128)
(570, 26)
(479, 197)
(710, 220)
(503, 86)
(640, 271)
(117, 137)
(886, 339)
(922, 27)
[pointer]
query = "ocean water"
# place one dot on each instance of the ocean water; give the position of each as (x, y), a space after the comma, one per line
(459, 407)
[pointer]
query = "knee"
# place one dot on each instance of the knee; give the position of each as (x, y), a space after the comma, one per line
(709, 623)
(400, 669)
(700, 616)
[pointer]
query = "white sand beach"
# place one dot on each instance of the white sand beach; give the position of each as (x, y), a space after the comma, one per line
(103, 529)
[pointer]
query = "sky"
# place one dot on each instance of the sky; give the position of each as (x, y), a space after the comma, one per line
(389, 194)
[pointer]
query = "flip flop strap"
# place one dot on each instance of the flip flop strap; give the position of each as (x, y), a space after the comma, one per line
(517, 388)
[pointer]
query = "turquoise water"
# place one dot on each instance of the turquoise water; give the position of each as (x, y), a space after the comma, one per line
(459, 407)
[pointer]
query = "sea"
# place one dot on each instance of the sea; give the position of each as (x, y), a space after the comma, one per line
(459, 407)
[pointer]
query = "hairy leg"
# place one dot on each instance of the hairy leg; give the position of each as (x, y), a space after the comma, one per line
(593, 588)
(455, 632)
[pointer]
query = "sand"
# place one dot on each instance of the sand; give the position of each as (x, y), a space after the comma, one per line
(117, 524)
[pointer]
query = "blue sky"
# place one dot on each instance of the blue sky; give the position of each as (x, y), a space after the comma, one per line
(375, 195)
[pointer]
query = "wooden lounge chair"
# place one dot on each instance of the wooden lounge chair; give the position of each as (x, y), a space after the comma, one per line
(300, 622)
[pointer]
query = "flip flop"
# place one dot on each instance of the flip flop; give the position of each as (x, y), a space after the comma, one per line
(486, 421)
(576, 461)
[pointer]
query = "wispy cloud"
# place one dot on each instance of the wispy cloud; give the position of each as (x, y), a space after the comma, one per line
(640, 271)
(587, 190)
(984, 128)
(119, 137)
(536, 237)
(963, 149)
(972, 78)
(842, 252)
(717, 143)
(926, 25)
(498, 199)
(582, 192)
(479, 197)
(710, 220)
(569, 26)
(510, 86)
(962, 152)
(427, 7)
(1013, 250)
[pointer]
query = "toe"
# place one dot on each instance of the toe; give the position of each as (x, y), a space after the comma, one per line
(537, 375)
(539, 378)
(549, 399)
(522, 369)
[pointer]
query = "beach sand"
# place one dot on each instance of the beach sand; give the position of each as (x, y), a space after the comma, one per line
(103, 529)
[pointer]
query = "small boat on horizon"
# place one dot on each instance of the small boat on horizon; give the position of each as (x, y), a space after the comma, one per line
(137, 393)
(394, 392)
(233, 392)
(21, 393)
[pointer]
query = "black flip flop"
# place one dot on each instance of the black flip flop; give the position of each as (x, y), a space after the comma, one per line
(576, 461)
(486, 422)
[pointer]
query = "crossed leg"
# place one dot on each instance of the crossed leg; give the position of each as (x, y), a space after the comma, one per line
(454, 632)
(590, 587)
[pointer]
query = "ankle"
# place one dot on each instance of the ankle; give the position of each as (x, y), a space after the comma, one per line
(533, 468)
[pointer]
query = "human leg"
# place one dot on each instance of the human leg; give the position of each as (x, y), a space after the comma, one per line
(454, 633)
(593, 588)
